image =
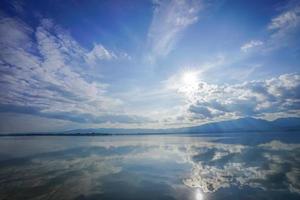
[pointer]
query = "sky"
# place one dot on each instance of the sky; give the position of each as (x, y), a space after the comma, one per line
(146, 63)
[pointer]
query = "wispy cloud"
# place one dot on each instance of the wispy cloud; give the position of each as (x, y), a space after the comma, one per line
(283, 30)
(251, 44)
(286, 20)
(170, 19)
(285, 27)
(43, 72)
(99, 52)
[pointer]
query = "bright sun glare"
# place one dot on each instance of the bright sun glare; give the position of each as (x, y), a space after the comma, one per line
(198, 195)
(189, 82)
(189, 78)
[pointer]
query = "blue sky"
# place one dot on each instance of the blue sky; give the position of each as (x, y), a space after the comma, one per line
(146, 64)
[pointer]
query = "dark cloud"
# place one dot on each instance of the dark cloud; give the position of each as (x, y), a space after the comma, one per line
(200, 110)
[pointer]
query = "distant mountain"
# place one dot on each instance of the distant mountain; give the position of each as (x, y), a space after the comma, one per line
(291, 123)
(248, 125)
(116, 131)
(238, 125)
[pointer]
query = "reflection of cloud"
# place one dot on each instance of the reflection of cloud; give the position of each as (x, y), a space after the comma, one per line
(270, 166)
(294, 177)
(277, 145)
(276, 170)
(211, 178)
(73, 175)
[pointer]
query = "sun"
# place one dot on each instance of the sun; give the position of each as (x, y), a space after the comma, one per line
(189, 82)
(189, 78)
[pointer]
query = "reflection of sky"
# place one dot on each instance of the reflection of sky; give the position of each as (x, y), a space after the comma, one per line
(172, 167)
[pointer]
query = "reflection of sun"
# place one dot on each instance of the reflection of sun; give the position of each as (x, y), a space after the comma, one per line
(198, 195)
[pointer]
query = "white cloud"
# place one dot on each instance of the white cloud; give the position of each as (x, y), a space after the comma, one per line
(285, 28)
(101, 53)
(253, 98)
(251, 44)
(13, 32)
(170, 18)
(286, 20)
(44, 72)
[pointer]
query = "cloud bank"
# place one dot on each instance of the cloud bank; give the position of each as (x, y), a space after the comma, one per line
(254, 98)
(45, 72)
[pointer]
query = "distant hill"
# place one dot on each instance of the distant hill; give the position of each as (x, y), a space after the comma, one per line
(248, 125)
(238, 125)
(291, 123)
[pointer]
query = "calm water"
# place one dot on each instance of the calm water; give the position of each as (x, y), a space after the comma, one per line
(229, 166)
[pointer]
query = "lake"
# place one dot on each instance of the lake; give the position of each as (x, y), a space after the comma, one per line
(164, 167)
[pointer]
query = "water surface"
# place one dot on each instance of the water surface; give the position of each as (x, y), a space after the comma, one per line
(212, 166)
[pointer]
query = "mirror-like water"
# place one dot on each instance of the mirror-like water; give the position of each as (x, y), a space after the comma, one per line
(229, 166)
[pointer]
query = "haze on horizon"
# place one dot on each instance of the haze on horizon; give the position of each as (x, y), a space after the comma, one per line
(146, 64)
